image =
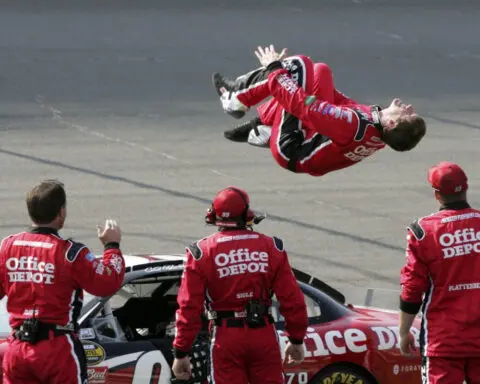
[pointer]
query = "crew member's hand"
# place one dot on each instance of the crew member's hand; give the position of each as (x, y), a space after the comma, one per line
(407, 345)
(294, 354)
(181, 368)
(268, 55)
(111, 233)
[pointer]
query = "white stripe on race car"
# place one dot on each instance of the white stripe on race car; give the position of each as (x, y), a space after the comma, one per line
(394, 311)
(120, 360)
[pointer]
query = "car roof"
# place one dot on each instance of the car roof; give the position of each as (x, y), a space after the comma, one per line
(132, 260)
(136, 261)
(139, 262)
(148, 268)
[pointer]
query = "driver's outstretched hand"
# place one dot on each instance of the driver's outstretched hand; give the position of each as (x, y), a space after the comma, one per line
(268, 55)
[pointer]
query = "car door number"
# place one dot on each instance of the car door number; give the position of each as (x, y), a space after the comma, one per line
(148, 365)
(302, 377)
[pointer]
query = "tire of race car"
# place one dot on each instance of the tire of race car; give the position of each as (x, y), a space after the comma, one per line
(339, 374)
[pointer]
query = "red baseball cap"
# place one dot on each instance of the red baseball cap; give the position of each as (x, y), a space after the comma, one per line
(447, 178)
(231, 204)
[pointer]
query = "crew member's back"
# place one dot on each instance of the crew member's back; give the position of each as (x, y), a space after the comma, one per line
(43, 277)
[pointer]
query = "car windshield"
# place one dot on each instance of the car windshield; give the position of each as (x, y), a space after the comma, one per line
(5, 327)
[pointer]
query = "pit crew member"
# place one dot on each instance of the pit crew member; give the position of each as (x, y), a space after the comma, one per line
(309, 125)
(44, 275)
(236, 271)
(442, 277)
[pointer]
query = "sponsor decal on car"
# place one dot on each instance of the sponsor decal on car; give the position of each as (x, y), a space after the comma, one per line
(165, 268)
(340, 342)
(333, 342)
(86, 333)
(94, 352)
(389, 337)
(342, 378)
(397, 369)
(97, 375)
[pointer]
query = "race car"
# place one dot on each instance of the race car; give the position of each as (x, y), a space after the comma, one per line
(128, 337)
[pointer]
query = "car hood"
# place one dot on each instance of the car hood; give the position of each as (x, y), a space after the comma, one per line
(374, 314)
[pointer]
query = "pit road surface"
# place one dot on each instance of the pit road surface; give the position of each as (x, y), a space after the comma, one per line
(115, 100)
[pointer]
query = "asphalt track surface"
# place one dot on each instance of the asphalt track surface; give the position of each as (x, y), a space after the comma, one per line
(114, 99)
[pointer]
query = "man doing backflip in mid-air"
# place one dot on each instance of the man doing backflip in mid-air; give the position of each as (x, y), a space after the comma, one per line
(308, 124)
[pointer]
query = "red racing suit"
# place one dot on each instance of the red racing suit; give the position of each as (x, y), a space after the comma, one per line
(443, 267)
(226, 270)
(315, 128)
(43, 277)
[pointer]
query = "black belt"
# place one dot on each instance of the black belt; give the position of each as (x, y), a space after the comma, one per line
(44, 331)
(218, 315)
(241, 323)
(234, 319)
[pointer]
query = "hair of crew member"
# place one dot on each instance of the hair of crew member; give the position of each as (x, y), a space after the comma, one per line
(234, 273)
(47, 204)
(44, 277)
(441, 278)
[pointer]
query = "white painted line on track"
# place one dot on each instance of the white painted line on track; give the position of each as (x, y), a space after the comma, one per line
(57, 116)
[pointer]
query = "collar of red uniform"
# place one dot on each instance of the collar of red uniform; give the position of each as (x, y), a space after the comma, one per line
(375, 111)
(44, 230)
(456, 205)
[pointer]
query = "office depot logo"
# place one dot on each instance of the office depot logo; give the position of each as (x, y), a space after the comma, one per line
(460, 243)
(29, 269)
(240, 261)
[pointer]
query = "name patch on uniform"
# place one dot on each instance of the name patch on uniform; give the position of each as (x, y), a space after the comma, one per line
(240, 261)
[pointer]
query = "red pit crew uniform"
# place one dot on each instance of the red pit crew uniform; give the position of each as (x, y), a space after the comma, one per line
(228, 269)
(43, 277)
(315, 128)
(443, 261)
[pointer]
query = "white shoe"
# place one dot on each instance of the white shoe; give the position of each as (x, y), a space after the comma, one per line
(232, 105)
(260, 137)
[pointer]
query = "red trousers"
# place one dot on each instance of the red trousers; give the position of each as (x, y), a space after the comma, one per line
(445, 370)
(317, 80)
(294, 146)
(60, 360)
(246, 356)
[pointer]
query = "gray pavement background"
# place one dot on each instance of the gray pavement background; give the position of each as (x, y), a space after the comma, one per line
(114, 98)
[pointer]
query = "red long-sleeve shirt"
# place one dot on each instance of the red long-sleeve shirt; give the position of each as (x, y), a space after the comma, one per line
(45, 275)
(354, 129)
(442, 272)
(229, 268)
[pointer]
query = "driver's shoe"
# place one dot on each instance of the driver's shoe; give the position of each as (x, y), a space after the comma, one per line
(224, 88)
(251, 132)
(241, 132)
